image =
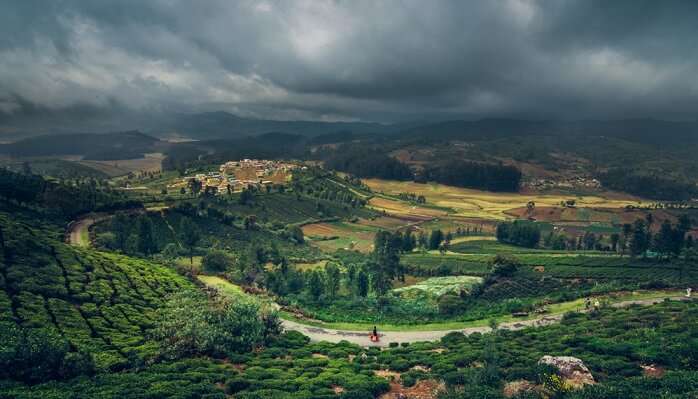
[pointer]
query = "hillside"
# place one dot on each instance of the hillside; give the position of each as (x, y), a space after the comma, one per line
(100, 303)
(108, 146)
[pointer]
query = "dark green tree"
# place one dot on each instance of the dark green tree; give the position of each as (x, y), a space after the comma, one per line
(362, 283)
(333, 279)
(146, 237)
(639, 240)
(189, 235)
(435, 239)
(120, 228)
(315, 285)
(216, 262)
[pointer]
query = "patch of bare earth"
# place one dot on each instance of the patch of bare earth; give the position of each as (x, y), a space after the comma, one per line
(337, 389)
(653, 371)
(514, 388)
(387, 374)
(423, 389)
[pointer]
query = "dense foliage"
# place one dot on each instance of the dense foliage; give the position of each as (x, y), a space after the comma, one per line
(485, 176)
(655, 186)
(521, 233)
(364, 162)
(68, 198)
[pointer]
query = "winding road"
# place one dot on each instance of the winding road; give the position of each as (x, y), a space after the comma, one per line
(78, 235)
(386, 337)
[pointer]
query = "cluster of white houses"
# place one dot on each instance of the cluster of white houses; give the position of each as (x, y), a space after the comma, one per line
(236, 175)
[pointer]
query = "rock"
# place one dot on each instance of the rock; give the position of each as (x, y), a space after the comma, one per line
(572, 370)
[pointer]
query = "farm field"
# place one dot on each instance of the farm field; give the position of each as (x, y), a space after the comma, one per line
(357, 235)
(481, 204)
(589, 266)
(151, 162)
(438, 286)
(331, 236)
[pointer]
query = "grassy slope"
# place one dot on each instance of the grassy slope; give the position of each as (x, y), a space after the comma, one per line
(102, 303)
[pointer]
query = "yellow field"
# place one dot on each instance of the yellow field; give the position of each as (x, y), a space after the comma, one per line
(151, 162)
(457, 240)
(402, 208)
(476, 203)
(311, 266)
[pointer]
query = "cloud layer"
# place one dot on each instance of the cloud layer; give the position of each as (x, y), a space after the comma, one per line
(350, 60)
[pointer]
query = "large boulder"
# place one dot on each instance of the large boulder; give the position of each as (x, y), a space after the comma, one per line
(572, 370)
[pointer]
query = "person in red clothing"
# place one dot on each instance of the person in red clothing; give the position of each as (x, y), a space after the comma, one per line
(374, 335)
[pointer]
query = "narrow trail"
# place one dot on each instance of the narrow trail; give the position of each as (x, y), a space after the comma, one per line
(386, 337)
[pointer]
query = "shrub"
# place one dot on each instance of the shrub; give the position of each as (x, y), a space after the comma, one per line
(400, 365)
(220, 327)
(38, 355)
(216, 262)
(450, 305)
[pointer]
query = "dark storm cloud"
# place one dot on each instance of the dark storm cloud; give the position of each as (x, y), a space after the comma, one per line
(334, 60)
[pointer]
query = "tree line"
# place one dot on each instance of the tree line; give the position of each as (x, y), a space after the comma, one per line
(68, 198)
(635, 239)
(649, 185)
(484, 176)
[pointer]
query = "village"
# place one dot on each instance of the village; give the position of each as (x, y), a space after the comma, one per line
(234, 176)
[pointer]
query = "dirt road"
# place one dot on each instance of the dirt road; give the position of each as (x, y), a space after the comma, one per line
(79, 231)
(386, 337)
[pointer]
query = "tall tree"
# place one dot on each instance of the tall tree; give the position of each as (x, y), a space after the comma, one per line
(362, 283)
(315, 285)
(639, 241)
(333, 278)
(625, 238)
(146, 237)
(121, 230)
(189, 235)
(435, 239)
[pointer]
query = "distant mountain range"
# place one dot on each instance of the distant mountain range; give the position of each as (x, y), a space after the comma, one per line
(224, 125)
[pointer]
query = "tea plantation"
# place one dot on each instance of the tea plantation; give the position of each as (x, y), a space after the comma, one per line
(100, 303)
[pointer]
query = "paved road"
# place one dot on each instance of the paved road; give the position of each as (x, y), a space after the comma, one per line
(361, 337)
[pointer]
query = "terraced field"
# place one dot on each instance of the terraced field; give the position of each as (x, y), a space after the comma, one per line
(101, 303)
(557, 265)
(479, 204)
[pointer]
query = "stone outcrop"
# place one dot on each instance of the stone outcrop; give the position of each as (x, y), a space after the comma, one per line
(572, 370)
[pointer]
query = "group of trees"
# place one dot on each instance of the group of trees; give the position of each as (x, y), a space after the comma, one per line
(636, 239)
(365, 162)
(653, 186)
(669, 241)
(412, 197)
(69, 198)
(317, 183)
(141, 237)
(486, 176)
(519, 232)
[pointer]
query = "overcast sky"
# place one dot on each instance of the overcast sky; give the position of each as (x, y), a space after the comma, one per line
(351, 60)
